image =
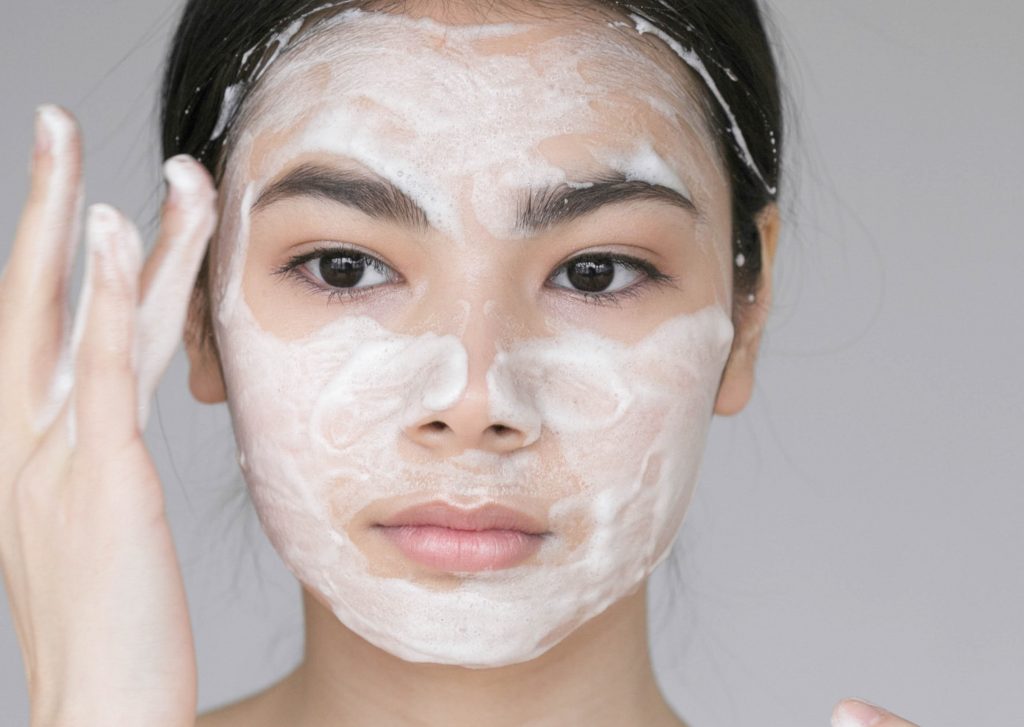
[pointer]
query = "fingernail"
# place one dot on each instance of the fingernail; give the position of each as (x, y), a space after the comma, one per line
(857, 713)
(44, 136)
(51, 128)
(181, 177)
(101, 226)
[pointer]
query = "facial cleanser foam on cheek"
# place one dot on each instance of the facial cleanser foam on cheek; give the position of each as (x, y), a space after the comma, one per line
(613, 435)
(320, 423)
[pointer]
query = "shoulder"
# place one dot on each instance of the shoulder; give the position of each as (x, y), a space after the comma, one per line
(263, 709)
(237, 714)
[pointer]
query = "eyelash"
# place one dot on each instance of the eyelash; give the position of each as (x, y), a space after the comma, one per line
(653, 276)
(292, 268)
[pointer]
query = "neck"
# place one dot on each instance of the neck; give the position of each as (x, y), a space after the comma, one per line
(599, 675)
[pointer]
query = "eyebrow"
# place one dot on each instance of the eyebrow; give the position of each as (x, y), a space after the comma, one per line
(552, 206)
(538, 209)
(373, 196)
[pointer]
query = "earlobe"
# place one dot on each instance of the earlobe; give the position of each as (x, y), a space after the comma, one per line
(737, 383)
(205, 379)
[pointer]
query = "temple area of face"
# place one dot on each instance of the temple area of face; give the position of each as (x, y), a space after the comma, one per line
(537, 209)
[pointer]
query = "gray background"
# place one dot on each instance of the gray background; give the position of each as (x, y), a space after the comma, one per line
(857, 530)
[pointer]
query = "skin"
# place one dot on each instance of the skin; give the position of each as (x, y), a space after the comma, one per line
(90, 570)
(343, 676)
(502, 299)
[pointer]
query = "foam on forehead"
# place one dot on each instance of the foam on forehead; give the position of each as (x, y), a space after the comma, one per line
(456, 116)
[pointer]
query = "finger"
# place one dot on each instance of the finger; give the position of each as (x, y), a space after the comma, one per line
(34, 284)
(104, 336)
(188, 222)
(858, 713)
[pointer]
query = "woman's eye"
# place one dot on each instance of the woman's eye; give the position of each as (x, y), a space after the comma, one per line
(347, 270)
(605, 276)
(339, 272)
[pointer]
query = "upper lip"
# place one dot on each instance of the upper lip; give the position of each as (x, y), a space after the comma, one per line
(487, 517)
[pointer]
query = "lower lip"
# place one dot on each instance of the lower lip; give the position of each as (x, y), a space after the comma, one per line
(463, 550)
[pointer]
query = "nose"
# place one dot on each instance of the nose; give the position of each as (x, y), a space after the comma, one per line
(470, 423)
(467, 426)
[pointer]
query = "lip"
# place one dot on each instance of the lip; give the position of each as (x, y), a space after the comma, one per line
(446, 538)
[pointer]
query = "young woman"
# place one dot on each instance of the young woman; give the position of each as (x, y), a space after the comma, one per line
(478, 276)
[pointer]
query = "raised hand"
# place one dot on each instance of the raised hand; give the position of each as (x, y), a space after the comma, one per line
(90, 568)
(855, 713)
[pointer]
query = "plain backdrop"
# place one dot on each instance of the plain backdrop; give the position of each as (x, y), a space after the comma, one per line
(857, 530)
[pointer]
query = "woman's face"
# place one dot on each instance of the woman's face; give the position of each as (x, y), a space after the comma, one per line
(472, 265)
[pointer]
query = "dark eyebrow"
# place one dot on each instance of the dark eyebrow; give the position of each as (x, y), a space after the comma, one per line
(371, 195)
(551, 206)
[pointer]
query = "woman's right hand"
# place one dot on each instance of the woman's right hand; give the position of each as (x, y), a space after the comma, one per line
(91, 572)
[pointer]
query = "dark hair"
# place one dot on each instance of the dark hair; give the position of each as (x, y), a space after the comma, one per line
(220, 51)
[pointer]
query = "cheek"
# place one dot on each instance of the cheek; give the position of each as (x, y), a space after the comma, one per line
(632, 427)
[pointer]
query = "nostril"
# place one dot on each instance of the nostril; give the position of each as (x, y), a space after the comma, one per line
(458, 435)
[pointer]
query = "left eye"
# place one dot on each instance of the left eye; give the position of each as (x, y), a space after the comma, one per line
(347, 270)
(601, 273)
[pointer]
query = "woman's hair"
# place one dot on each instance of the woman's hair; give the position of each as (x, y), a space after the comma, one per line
(221, 50)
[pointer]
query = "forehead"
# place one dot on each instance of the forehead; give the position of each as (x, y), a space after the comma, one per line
(526, 103)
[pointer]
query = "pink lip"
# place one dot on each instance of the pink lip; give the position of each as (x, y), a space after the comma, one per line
(439, 536)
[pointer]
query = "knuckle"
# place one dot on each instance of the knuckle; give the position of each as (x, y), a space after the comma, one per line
(36, 489)
(102, 374)
(106, 348)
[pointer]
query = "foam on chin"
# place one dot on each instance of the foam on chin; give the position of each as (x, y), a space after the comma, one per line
(614, 436)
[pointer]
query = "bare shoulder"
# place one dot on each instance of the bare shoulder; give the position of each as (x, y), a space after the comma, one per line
(262, 709)
(669, 719)
(246, 712)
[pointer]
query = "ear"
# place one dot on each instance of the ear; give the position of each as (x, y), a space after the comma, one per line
(205, 378)
(737, 383)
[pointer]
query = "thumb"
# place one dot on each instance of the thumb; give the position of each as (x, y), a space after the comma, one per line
(857, 713)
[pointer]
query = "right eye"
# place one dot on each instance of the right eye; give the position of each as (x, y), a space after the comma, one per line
(339, 271)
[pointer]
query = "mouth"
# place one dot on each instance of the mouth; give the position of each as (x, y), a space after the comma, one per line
(450, 539)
